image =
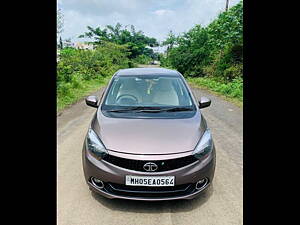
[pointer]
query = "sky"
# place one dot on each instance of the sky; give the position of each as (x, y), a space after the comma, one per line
(154, 17)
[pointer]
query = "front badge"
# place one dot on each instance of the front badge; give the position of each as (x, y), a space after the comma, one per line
(150, 167)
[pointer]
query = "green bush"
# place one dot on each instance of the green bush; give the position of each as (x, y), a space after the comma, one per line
(234, 71)
(64, 89)
(142, 59)
(91, 64)
(79, 69)
(76, 81)
(215, 50)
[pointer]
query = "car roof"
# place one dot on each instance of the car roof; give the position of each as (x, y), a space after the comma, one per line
(147, 71)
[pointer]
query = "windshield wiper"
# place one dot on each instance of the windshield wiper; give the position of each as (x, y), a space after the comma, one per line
(178, 109)
(139, 108)
(173, 109)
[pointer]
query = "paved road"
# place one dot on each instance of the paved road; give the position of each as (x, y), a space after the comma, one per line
(222, 204)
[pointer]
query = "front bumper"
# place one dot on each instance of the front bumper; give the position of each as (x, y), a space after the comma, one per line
(112, 176)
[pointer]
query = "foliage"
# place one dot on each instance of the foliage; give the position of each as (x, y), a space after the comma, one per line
(227, 28)
(215, 50)
(136, 42)
(72, 94)
(233, 89)
(102, 61)
(142, 59)
(227, 64)
(170, 41)
(210, 56)
(78, 70)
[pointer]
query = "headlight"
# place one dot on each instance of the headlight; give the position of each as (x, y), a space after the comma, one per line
(94, 144)
(204, 146)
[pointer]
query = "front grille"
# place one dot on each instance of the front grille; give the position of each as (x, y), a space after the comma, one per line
(163, 165)
(136, 191)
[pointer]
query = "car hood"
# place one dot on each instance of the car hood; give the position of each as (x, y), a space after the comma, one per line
(148, 136)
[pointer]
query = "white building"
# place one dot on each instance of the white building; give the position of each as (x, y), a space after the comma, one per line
(80, 45)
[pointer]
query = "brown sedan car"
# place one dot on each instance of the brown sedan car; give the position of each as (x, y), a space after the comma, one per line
(148, 139)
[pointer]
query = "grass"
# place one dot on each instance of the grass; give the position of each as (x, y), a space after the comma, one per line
(230, 91)
(75, 94)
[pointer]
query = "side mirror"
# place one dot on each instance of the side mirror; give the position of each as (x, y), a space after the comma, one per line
(92, 101)
(204, 102)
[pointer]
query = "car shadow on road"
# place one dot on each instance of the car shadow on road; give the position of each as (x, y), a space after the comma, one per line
(155, 206)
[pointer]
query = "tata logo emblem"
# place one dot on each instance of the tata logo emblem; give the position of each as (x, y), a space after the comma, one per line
(150, 167)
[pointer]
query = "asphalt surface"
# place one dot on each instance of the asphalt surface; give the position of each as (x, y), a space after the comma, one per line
(221, 204)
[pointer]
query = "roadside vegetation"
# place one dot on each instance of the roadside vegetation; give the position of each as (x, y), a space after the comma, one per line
(232, 91)
(80, 72)
(138, 44)
(211, 56)
(142, 59)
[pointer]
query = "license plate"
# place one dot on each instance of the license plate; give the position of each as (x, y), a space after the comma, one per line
(150, 181)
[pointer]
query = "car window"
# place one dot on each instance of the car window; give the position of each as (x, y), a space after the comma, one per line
(157, 91)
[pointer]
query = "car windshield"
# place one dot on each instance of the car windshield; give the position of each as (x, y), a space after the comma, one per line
(147, 92)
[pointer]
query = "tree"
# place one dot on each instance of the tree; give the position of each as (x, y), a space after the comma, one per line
(136, 42)
(170, 41)
(214, 50)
